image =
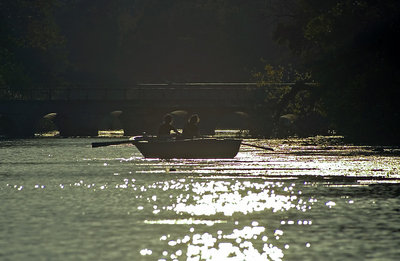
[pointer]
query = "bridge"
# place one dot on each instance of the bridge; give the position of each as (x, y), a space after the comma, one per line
(136, 109)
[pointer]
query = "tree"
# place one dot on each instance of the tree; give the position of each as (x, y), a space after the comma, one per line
(349, 46)
(131, 41)
(30, 46)
(285, 91)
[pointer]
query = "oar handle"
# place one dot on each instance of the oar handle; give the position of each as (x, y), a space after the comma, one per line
(109, 143)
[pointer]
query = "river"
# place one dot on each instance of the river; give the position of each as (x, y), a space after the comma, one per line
(309, 199)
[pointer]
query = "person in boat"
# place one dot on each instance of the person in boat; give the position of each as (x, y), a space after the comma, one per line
(191, 128)
(166, 127)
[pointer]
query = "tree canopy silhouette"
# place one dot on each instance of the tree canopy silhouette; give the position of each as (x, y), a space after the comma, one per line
(31, 47)
(349, 46)
(352, 50)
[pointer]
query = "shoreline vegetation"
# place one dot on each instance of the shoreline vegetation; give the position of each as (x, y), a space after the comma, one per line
(345, 49)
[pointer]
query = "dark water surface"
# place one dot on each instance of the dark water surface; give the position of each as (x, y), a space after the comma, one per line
(310, 199)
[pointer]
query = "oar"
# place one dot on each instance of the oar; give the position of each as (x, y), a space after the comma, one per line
(256, 146)
(108, 143)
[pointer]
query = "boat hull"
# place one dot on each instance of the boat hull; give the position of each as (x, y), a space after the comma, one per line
(189, 149)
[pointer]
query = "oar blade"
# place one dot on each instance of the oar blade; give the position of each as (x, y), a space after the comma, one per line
(257, 146)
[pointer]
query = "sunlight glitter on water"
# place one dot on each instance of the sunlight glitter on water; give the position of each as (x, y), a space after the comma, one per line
(296, 203)
(242, 197)
(206, 246)
(228, 197)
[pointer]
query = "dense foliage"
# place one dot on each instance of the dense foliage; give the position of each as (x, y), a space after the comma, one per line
(31, 47)
(289, 102)
(352, 49)
(158, 40)
(127, 41)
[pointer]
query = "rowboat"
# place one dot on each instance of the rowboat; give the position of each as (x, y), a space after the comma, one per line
(201, 148)
(173, 147)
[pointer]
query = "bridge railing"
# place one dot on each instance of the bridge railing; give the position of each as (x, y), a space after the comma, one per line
(142, 92)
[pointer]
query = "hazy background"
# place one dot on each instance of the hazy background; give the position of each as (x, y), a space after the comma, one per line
(349, 48)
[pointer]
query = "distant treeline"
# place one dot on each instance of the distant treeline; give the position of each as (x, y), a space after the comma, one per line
(125, 41)
(350, 48)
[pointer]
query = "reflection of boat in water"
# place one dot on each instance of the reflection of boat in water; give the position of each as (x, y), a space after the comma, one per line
(202, 148)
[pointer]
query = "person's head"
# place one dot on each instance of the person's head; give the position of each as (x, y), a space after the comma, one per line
(168, 118)
(194, 119)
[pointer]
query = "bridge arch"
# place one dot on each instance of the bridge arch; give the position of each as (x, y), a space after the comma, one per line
(25, 124)
(46, 123)
(237, 120)
(111, 121)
